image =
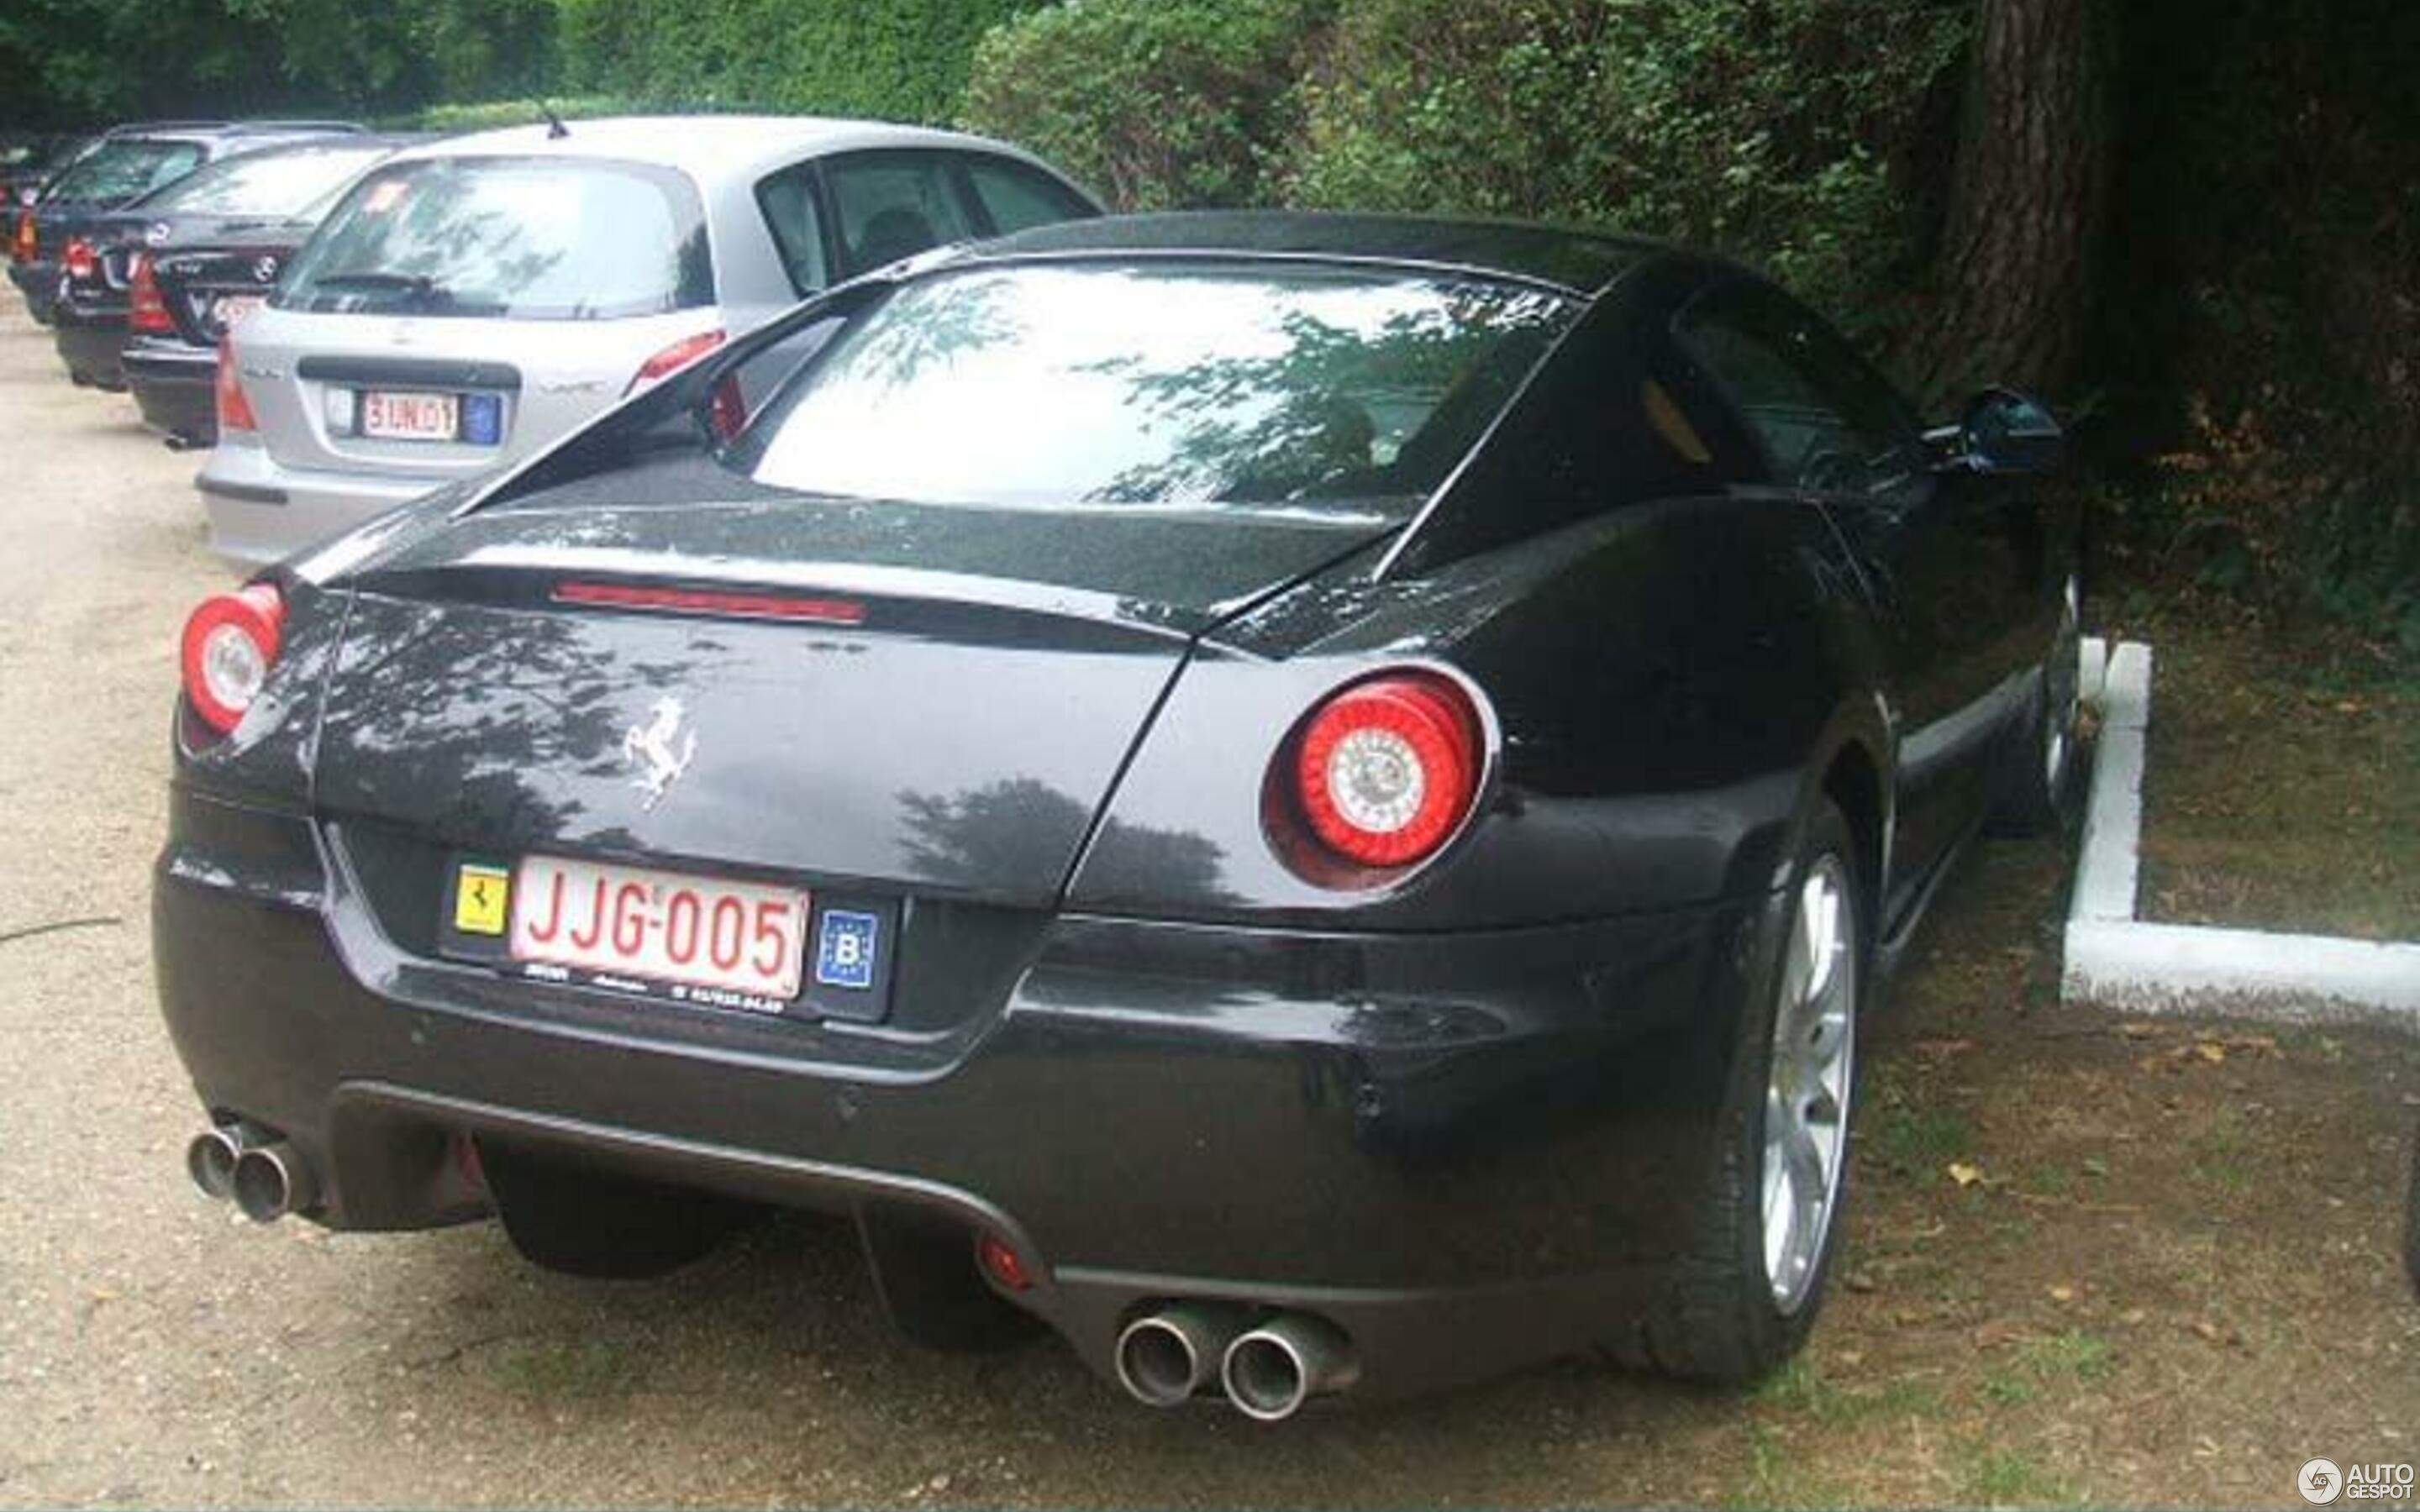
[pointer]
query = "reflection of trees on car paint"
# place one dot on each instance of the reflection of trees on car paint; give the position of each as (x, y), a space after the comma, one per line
(1010, 827)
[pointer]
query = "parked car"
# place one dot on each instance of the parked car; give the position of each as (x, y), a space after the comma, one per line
(473, 300)
(1311, 801)
(30, 159)
(129, 163)
(236, 211)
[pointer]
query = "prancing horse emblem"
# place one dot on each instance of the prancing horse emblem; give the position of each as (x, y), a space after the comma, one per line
(651, 747)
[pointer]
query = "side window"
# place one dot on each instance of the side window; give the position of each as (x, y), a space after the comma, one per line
(787, 199)
(1826, 422)
(894, 204)
(1015, 196)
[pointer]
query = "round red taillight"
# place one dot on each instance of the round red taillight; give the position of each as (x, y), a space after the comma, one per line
(1389, 768)
(79, 259)
(230, 643)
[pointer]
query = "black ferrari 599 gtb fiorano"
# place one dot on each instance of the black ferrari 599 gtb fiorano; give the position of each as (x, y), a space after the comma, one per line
(1309, 801)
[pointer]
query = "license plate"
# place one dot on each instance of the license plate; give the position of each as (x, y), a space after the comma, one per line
(614, 921)
(411, 417)
(229, 311)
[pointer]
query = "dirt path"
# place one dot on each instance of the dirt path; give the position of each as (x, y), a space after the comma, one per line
(2169, 1282)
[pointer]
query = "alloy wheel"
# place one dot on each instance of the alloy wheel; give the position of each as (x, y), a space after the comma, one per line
(1808, 1082)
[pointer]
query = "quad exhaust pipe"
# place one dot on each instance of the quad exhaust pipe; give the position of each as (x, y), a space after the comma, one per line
(1267, 1370)
(263, 1175)
(1164, 1357)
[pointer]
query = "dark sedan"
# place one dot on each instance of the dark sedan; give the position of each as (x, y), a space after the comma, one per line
(219, 236)
(128, 164)
(1309, 801)
(146, 295)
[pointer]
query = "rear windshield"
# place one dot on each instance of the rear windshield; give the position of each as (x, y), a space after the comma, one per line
(283, 182)
(533, 239)
(121, 169)
(1164, 385)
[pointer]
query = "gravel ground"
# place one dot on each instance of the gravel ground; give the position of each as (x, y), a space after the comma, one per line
(2161, 1275)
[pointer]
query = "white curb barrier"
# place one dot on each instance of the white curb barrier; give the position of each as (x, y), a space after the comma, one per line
(2115, 959)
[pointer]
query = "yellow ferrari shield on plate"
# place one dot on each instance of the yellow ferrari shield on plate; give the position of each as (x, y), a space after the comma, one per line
(480, 895)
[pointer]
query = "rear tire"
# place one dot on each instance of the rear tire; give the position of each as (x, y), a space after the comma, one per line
(570, 1217)
(1742, 1301)
(2038, 784)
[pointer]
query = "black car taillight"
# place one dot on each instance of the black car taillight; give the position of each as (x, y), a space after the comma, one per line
(80, 261)
(230, 643)
(146, 311)
(1386, 771)
(29, 244)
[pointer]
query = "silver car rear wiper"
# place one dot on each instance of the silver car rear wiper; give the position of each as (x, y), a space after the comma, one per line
(419, 286)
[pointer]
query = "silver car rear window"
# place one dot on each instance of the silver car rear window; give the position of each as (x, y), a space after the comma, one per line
(537, 238)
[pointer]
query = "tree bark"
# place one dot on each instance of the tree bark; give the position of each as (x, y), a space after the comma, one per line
(2015, 269)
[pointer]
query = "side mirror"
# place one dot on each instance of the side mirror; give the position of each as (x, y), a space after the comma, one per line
(2005, 431)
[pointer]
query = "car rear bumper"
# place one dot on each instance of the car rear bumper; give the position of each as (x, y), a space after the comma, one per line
(91, 346)
(1468, 1152)
(173, 387)
(261, 511)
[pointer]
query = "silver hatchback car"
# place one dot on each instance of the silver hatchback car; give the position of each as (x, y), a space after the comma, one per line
(474, 299)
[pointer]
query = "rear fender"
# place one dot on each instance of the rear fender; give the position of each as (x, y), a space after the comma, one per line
(1666, 685)
(266, 760)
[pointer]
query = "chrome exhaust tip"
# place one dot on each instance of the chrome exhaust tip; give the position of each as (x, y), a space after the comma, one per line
(1166, 1356)
(272, 1181)
(210, 1161)
(1271, 1371)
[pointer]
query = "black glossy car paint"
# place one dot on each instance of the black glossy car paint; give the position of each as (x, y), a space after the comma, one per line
(1461, 1111)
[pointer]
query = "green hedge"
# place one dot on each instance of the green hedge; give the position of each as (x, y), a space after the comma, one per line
(1155, 104)
(902, 60)
(1769, 129)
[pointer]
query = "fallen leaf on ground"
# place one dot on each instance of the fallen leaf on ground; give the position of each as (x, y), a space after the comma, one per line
(2062, 1293)
(1964, 1174)
(2211, 1051)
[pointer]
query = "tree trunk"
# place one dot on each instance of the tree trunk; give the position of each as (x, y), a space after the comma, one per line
(2015, 271)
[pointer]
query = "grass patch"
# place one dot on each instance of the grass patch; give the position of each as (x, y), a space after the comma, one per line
(1778, 1478)
(2275, 796)
(1916, 1141)
(2003, 1390)
(2005, 1477)
(2222, 1155)
(1801, 1387)
(2074, 1354)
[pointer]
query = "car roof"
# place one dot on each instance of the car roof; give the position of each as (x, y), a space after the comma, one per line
(1578, 261)
(707, 147)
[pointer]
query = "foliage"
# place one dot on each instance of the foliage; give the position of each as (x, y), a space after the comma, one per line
(2257, 333)
(87, 62)
(904, 61)
(2272, 525)
(1776, 130)
(1155, 104)
(520, 109)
